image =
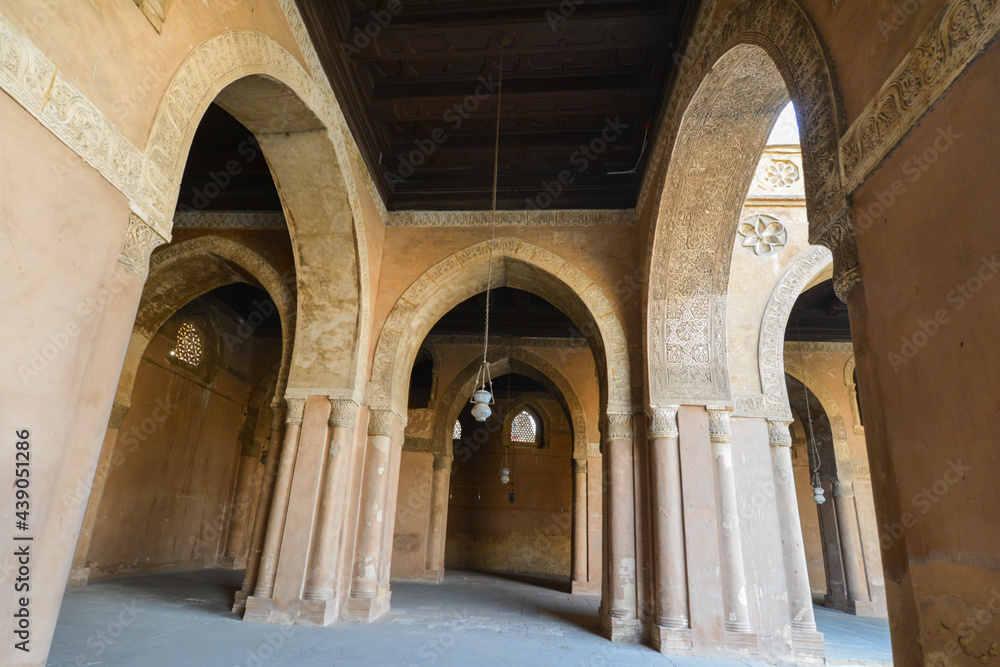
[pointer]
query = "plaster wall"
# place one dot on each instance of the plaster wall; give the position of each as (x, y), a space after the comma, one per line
(927, 421)
(171, 498)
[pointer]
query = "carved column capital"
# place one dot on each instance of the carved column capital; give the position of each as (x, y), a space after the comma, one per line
(139, 242)
(718, 423)
(619, 427)
(839, 238)
(343, 413)
(380, 422)
(579, 466)
(778, 434)
(443, 461)
(118, 412)
(663, 421)
(296, 408)
(842, 489)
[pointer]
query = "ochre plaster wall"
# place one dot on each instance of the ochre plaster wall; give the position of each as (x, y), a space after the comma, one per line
(170, 496)
(532, 534)
(927, 397)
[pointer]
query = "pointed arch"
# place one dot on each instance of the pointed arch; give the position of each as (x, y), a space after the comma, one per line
(180, 273)
(465, 274)
(734, 81)
(301, 131)
(841, 450)
(771, 346)
(505, 360)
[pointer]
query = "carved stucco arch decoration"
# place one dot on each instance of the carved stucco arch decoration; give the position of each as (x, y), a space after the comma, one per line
(301, 130)
(261, 397)
(505, 360)
(181, 273)
(841, 450)
(463, 275)
(771, 346)
(735, 77)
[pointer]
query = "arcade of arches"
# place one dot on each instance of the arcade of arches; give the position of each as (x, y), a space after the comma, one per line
(738, 285)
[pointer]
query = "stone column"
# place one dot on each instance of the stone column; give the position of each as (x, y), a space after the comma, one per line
(81, 573)
(734, 583)
(805, 639)
(620, 621)
(364, 604)
(440, 484)
(263, 507)
(579, 567)
(671, 623)
(850, 544)
(283, 486)
(320, 588)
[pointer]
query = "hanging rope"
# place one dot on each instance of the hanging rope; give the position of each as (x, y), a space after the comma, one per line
(493, 223)
(809, 419)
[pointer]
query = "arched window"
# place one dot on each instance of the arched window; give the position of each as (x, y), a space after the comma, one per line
(456, 431)
(188, 346)
(524, 429)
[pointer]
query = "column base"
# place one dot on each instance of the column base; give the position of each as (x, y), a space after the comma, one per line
(366, 610)
(240, 602)
(808, 644)
(866, 608)
(258, 610)
(745, 644)
(622, 629)
(583, 588)
(433, 576)
(677, 641)
(317, 613)
(79, 576)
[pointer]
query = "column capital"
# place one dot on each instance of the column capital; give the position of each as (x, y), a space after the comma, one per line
(579, 466)
(778, 434)
(619, 427)
(718, 423)
(380, 421)
(443, 461)
(296, 408)
(839, 238)
(118, 412)
(343, 412)
(663, 421)
(139, 242)
(842, 489)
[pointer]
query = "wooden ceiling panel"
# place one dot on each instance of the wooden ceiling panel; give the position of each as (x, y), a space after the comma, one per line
(418, 83)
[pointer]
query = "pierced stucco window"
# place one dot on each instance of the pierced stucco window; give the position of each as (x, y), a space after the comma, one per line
(524, 429)
(188, 345)
(456, 431)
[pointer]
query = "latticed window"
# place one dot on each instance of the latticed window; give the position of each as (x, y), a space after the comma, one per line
(456, 431)
(523, 428)
(188, 346)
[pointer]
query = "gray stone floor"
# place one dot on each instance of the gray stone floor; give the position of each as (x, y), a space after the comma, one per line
(184, 619)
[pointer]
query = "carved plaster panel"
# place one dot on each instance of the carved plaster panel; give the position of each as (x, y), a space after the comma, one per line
(591, 218)
(230, 220)
(772, 329)
(762, 234)
(944, 49)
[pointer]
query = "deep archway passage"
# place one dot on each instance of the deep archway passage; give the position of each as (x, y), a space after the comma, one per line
(510, 495)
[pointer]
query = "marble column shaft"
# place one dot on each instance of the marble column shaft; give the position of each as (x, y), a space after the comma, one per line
(737, 617)
(850, 541)
(279, 505)
(374, 490)
(322, 572)
(579, 565)
(263, 505)
(669, 558)
(800, 604)
(621, 611)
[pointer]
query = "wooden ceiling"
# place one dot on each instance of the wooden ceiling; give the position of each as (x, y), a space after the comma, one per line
(418, 78)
